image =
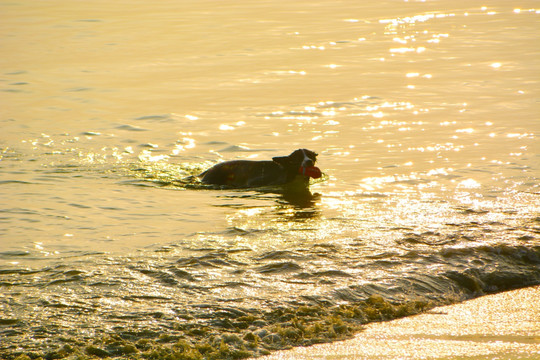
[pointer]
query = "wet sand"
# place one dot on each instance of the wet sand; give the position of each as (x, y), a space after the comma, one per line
(504, 326)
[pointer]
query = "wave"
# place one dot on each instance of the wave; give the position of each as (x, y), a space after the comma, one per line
(174, 305)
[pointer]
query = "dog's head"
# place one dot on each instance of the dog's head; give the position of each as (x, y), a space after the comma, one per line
(298, 160)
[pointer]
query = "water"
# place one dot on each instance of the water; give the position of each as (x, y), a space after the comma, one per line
(424, 115)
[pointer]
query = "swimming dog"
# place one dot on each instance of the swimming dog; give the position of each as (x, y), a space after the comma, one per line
(300, 165)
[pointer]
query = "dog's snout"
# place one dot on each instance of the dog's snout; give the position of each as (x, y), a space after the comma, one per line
(309, 157)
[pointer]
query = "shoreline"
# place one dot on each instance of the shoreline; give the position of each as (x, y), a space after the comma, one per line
(504, 325)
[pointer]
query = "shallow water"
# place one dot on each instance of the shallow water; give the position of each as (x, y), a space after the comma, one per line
(424, 115)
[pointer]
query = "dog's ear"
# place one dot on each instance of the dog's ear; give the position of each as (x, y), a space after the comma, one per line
(282, 160)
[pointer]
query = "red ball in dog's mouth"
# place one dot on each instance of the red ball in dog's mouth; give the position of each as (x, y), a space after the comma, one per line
(311, 171)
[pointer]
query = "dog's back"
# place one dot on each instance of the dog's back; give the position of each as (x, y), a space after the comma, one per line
(245, 173)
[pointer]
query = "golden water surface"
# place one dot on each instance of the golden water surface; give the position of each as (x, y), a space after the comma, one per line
(425, 115)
